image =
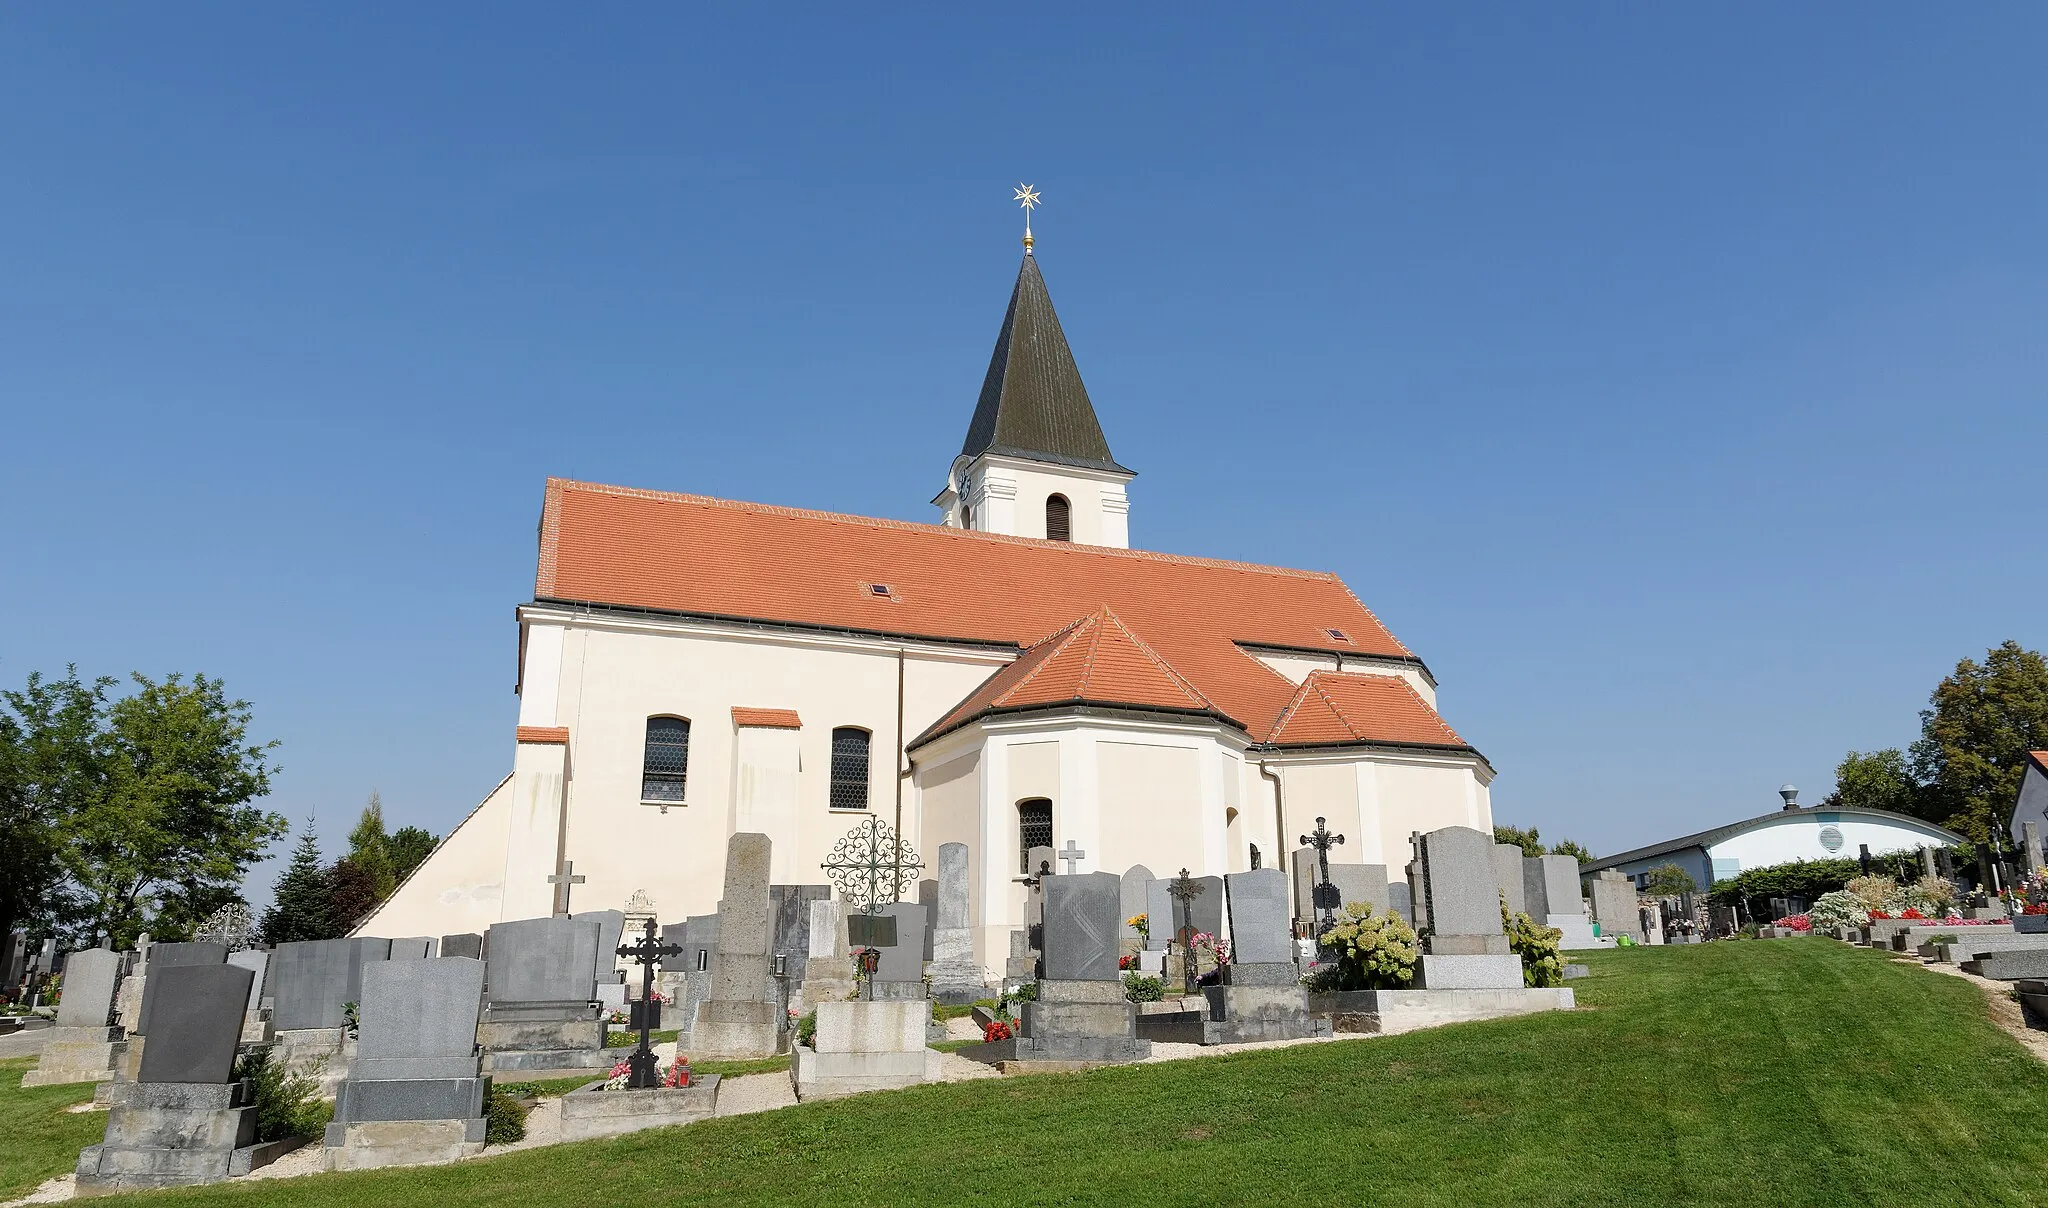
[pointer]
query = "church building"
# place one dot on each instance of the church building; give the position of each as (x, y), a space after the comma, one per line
(1011, 675)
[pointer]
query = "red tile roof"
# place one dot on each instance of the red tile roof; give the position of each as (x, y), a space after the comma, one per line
(2040, 759)
(555, 735)
(1095, 660)
(772, 719)
(714, 557)
(1343, 707)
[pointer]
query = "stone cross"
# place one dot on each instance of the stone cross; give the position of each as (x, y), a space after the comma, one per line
(562, 881)
(648, 951)
(1325, 894)
(1185, 889)
(1070, 855)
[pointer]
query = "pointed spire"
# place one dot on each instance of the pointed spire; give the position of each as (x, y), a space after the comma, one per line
(1033, 404)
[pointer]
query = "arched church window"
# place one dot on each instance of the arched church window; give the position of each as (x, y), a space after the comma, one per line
(1034, 829)
(666, 763)
(849, 768)
(1059, 519)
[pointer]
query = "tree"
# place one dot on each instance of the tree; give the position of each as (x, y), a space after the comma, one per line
(168, 825)
(1668, 881)
(301, 909)
(51, 756)
(409, 847)
(1524, 839)
(1565, 847)
(1879, 780)
(368, 849)
(351, 894)
(1974, 740)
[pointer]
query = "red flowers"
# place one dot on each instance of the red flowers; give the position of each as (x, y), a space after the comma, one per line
(677, 1076)
(1126, 962)
(1794, 922)
(996, 1030)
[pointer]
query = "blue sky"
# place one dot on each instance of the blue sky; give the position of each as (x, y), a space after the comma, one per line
(1672, 381)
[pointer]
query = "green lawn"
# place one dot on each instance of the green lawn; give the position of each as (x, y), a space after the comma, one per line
(1774, 1074)
(38, 1138)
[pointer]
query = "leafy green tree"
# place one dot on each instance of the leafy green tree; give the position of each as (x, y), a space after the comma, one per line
(351, 893)
(168, 824)
(409, 847)
(1878, 780)
(51, 756)
(1668, 881)
(1565, 847)
(1524, 839)
(368, 849)
(301, 908)
(1974, 740)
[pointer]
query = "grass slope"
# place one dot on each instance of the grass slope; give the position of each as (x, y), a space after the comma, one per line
(38, 1138)
(1773, 1074)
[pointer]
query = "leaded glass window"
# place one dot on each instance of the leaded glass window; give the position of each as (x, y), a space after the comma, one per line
(849, 768)
(1034, 829)
(667, 761)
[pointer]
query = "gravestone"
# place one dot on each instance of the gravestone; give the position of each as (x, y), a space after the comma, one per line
(736, 1020)
(1614, 906)
(697, 936)
(1355, 883)
(1400, 900)
(791, 937)
(257, 962)
(1131, 900)
(1466, 948)
(1551, 884)
(1021, 966)
(1507, 864)
(310, 981)
(956, 975)
(171, 956)
(1207, 911)
(466, 944)
(1164, 919)
(1259, 994)
(2030, 843)
(542, 1013)
(828, 967)
(181, 1122)
(1081, 1016)
(414, 1092)
(83, 1047)
(1080, 935)
(611, 924)
(415, 948)
(902, 963)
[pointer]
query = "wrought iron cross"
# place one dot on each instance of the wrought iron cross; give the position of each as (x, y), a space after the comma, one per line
(1185, 889)
(1071, 855)
(872, 866)
(649, 950)
(1324, 893)
(562, 881)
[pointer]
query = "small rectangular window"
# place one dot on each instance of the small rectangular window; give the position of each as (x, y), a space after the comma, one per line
(1338, 634)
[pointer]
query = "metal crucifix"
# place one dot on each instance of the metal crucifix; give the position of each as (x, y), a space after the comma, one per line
(649, 951)
(1184, 890)
(1324, 896)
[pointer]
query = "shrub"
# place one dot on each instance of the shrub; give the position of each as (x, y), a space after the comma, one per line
(1537, 946)
(504, 1118)
(287, 1104)
(807, 1029)
(1838, 908)
(1806, 879)
(1872, 892)
(1368, 951)
(1140, 988)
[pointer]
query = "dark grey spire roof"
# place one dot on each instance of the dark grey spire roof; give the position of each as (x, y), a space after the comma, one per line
(1032, 402)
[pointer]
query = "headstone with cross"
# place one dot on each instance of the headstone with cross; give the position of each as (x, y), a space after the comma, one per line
(1071, 855)
(871, 866)
(1185, 889)
(648, 951)
(1325, 894)
(562, 881)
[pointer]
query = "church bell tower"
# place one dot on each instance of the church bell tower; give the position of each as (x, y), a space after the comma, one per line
(1035, 462)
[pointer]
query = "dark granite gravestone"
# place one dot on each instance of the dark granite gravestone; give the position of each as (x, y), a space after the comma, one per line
(198, 1022)
(171, 956)
(790, 928)
(416, 1049)
(903, 961)
(1081, 927)
(312, 981)
(1207, 911)
(464, 944)
(1399, 902)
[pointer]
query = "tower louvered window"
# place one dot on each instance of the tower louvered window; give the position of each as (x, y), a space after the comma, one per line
(849, 768)
(1034, 829)
(667, 762)
(1059, 519)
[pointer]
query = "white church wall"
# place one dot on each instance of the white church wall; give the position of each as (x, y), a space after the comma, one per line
(1799, 837)
(764, 793)
(540, 770)
(1295, 666)
(1424, 794)
(1150, 796)
(1327, 790)
(461, 887)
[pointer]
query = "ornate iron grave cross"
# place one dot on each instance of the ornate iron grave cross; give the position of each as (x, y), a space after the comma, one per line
(1324, 895)
(871, 867)
(562, 881)
(1184, 889)
(648, 950)
(232, 925)
(1070, 855)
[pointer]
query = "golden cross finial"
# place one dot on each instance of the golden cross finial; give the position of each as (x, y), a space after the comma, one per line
(1028, 198)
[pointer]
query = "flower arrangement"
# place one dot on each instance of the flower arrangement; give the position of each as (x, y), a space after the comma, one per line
(1142, 924)
(1125, 964)
(2028, 895)
(1838, 908)
(1365, 951)
(677, 1075)
(1794, 922)
(674, 1076)
(994, 1030)
(616, 1080)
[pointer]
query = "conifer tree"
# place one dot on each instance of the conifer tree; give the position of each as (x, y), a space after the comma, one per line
(369, 851)
(301, 909)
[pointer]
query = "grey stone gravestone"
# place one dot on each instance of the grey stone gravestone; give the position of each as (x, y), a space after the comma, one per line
(550, 962)
(1507, 863)
(611, 924)
(90, 976)
(1207, 910)
(928, 897)
(1258, 995)
(170, 956)
(1466, 948)
(1614, 906)
(1399, 902)
(1362, 883)
(1557, 881)
(1131, 899)
(197, 1013)
(1164, 919)
(1261, 930)
(1081, 927)
(903, 962)
(464, 944)
(2030, 842)
(310, 981)
(735, 1021)
(956, 976)
(792, 932)
(416, 1068)
(257, 962)
(414, 948)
